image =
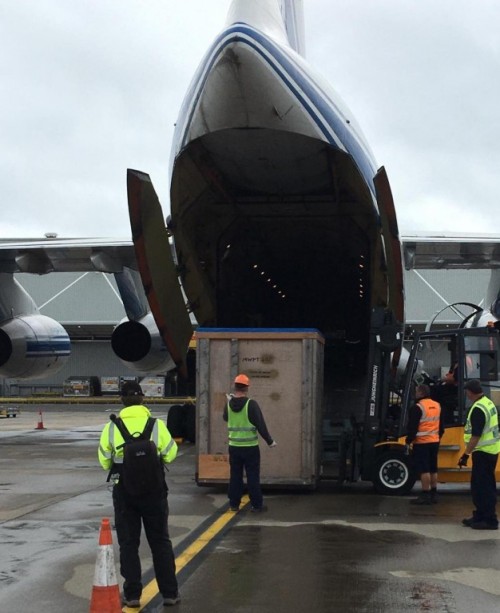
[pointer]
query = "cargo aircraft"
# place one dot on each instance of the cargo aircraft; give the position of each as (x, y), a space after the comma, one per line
(279, 217)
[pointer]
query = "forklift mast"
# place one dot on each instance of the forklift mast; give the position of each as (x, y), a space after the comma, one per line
(386, 336)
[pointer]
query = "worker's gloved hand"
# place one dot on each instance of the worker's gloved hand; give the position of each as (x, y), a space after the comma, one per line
(463, 460)
(229, 396)
(273, 444)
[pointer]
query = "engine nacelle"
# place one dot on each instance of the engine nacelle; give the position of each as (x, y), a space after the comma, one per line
(32, 347)
(140, 347)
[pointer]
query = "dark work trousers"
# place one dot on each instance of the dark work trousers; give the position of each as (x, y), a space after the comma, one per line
(247, 458)
(483, 486)
(153, 511)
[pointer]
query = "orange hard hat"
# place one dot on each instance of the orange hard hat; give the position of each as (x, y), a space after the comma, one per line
(242, 380)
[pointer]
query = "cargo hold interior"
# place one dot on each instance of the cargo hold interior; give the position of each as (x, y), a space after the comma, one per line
(290, 241)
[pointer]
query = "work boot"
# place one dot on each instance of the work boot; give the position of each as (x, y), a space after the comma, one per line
(424, 498)
(434, 496)
(170, 601)
(132, 603)
(484, 525)
(258, 509)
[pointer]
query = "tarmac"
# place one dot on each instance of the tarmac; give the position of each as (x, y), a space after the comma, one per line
(342, 549)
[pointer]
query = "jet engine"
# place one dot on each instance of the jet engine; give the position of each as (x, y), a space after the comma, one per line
(32, 347)
(139, 346)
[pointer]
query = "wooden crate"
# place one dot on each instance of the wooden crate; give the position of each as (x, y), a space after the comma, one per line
(286, 378)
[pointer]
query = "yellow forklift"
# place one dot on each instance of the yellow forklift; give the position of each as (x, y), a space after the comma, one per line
(375, 449)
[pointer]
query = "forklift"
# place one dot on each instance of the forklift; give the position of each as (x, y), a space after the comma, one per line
(374, 449)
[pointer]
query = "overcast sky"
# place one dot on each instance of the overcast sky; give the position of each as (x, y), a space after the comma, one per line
(89, 88)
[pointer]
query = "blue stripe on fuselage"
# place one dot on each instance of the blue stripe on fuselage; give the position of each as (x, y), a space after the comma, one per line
(285, 67)
(53, 347)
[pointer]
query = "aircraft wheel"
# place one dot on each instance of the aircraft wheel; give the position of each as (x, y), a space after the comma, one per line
(394, 474)
(190, 422)
(176, 421)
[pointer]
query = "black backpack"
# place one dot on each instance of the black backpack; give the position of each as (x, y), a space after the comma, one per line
(142, 469)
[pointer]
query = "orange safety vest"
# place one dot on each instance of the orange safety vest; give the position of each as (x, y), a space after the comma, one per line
(428, 428)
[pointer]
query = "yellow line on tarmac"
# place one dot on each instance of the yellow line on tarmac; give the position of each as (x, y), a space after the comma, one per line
(183, 559)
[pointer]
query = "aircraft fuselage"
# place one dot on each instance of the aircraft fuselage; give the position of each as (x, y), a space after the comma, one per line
(273, 209)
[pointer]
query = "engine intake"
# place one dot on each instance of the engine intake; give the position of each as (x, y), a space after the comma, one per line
(140, 347)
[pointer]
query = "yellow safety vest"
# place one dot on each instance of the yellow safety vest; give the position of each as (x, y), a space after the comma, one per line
(242, 433)
(135, 418)
(490, 437)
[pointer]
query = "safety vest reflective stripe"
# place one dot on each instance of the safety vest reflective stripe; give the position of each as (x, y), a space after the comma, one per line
(489, 441)
(106, 454)
(168, 447)
(154, 434)
(428, 427)
(241, 431)
(111, 434)
(488, 430)
(117, 459)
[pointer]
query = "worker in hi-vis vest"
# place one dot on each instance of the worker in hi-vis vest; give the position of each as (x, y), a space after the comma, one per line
(425, 429)
(482, 440)
(133, 509)
(245, 422)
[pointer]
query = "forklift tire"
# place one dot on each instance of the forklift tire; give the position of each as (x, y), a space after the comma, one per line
(394, 474)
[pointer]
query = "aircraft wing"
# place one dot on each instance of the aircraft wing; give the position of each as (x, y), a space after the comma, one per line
(41, 256)
(135, 341)
(420, 251)
(466, 251)
(106, 255)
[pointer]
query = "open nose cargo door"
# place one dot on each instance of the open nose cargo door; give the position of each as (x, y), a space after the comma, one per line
(157, 267)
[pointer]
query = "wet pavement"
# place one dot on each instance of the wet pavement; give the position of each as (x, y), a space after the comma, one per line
(336, 549)
(330, 553)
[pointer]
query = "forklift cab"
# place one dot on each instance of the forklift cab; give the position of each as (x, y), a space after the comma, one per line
(445, 361)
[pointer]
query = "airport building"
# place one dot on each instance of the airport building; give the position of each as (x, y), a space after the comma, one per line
(89, 306)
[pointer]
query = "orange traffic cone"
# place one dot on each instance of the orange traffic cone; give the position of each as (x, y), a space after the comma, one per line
(40, 425)
(105, 591)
